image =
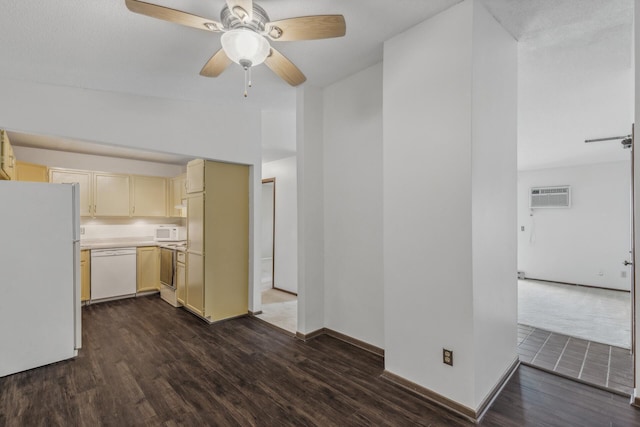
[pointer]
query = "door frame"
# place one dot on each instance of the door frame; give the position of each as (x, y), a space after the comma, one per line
(273, 231)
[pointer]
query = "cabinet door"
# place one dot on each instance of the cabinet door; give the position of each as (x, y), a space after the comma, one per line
(111, 195)
(195, 283)
(148, 269)
(85, 275)
(84, 179)
(149, 196)
(7, 158)
(195, 224)
(195, 176)
(31, 172)
(177, 195)
(181, 282)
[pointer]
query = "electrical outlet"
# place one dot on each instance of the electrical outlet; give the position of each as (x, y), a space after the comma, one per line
(447, 357)
(81, 230)
(522, 228)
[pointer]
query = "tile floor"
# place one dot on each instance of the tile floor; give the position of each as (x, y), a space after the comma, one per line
(590, 362)
(280, 309)
(600, 315)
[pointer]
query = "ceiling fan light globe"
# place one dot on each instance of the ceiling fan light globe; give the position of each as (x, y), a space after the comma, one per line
(242, 46)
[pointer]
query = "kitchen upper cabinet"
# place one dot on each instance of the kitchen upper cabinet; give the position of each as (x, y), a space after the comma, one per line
(111, 195)
(148, 269)
(218, 242)
(148, 196)
(31, 172)
(85, 275)
(195, 176)
(177, 195)
(85, 181)
(181, 277)
(7, 158)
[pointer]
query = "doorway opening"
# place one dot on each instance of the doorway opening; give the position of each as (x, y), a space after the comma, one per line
(279, 307)
(575, 311)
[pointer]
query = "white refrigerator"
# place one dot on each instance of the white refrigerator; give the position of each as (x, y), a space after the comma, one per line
(40, 311)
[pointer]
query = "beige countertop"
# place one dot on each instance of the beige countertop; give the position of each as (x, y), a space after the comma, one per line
(124, 242)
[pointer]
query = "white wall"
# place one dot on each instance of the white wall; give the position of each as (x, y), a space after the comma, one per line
(278, 135)
(286, 233)
(427, 203)
(449, 139)
(494, 190)
(63, 159)
(587, 243)
(353, 206)
(636, 183)
(309, 131)
(189, 128)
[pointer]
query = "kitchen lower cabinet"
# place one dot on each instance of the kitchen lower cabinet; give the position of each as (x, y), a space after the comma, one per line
(111, 195)
(31, 172)
(85, 275)
(148, 269)
(195, 283)
(181, 277)
(148, 196)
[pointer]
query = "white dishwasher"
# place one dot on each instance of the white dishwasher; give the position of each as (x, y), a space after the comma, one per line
(113, 273)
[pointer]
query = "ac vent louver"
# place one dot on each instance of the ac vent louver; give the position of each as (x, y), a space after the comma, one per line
(550, 197)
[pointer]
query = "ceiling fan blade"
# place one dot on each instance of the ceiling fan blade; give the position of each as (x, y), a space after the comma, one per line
(307, 28)
(284, 68)
(216, 65)
(173, 15)
(243, 9)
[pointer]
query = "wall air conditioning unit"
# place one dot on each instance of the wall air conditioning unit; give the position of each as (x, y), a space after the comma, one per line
(550, 197)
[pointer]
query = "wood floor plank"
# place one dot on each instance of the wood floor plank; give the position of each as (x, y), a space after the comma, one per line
(147, 363)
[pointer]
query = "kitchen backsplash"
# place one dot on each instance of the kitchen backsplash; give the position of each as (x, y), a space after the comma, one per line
(111, 229)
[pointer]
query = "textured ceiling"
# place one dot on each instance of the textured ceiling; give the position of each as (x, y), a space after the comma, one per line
(100, 45)
(574, 78)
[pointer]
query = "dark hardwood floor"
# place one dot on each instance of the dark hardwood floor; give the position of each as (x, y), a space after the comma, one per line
(146, 363)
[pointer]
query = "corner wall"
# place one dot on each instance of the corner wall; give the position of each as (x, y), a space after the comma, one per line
(354, 297)
(636, 184)
(310, 168)
(450, 204)
(427, 204)
(494, 193)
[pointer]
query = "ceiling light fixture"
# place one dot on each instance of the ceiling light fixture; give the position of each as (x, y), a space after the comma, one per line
(247, 49)
(247, 30)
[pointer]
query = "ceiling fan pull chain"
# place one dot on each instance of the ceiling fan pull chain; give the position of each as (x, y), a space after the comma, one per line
(250, 84)
(245, 81)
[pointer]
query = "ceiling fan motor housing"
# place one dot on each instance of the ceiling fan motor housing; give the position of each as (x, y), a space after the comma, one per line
(257, 24)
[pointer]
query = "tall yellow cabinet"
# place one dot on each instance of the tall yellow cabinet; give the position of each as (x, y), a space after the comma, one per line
(218, 240)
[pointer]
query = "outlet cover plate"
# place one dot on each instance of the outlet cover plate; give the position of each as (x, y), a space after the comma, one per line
(447, 357)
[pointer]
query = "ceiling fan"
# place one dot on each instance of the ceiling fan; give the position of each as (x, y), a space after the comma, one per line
(247, 29)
